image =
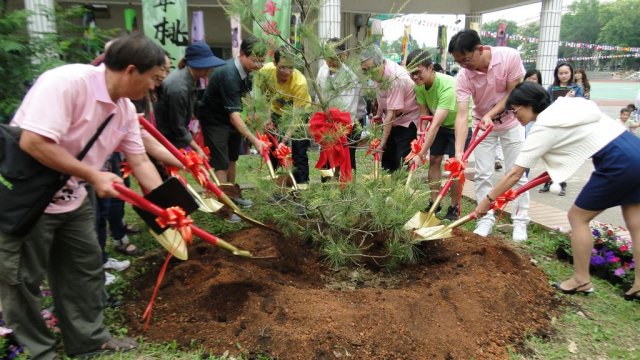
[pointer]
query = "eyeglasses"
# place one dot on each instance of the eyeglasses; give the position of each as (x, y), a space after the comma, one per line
(257, 61)
(515, 111)
(467, 59)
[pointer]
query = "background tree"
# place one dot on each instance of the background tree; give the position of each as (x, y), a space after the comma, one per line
(23, 58)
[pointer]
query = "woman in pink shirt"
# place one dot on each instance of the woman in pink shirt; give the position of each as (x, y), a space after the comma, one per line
(396, 101)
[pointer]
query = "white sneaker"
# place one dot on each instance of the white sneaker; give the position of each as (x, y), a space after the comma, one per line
(484, 227)
(113, 264)
(109, 279)
(243, 203)
(519, 231)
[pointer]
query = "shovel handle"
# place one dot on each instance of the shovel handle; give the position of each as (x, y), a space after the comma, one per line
(541, 179)
(475, 140)
(175, 152)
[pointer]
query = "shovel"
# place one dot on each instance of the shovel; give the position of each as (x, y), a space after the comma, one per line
(442, 232)
(201, 176)
(416, 146)
(174, 241)
(428, 219)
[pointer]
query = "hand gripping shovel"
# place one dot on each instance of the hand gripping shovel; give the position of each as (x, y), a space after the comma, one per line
(442, 232)
(199, 174)
(416, 146)
(428, 219)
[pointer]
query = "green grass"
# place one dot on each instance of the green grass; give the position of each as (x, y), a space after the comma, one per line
(602, 325)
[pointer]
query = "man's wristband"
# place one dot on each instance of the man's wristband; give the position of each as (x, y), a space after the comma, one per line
(490, 199)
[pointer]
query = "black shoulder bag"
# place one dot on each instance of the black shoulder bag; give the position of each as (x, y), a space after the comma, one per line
(26, 185)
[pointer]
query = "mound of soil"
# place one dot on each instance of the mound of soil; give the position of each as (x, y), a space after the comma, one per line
(469, 297)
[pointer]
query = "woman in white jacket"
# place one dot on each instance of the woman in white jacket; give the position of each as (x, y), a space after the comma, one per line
(565, 134)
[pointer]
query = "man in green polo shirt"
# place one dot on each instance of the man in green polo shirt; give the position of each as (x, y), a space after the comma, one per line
(436, 95)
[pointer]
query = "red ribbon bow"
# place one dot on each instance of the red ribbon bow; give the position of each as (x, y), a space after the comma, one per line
(177, 219)
(195, 165)
(373, 145)
(126, 170)
(416, 147)
(330, 131)
(283, 153)
(502, 200)
(456, 168)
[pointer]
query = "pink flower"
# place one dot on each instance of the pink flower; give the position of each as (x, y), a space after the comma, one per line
(624, 248)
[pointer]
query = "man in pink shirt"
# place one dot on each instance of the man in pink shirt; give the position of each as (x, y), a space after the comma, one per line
(59, 115)
(397, 100)
(487, 77)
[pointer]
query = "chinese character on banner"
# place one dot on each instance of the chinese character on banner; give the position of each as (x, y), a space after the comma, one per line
(274, 20)
(165, 21)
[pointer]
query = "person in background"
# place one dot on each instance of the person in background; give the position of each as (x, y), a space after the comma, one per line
(177, 98)
(288, 88)
(566, 134)
(534, 76)
(220, 113)
(438, 68)
(62, 110)
(397, 101)
(563, 85)
(488, 75)
(340, 88)
(581, 79)
(626, 120)
(436, 94)
(634, 113)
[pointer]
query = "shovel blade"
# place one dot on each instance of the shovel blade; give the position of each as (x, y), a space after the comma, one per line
(421, 220)
(172, 241)
(433, 233)
(207, 205)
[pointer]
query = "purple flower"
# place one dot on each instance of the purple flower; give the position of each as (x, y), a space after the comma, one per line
(598, 260)
(619, 272)
(596, 233)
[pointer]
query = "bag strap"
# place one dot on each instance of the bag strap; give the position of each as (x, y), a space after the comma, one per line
(95, 137)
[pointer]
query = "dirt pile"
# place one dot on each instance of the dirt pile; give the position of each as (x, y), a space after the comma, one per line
(469, 297)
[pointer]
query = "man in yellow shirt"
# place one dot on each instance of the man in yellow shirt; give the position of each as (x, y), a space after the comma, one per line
(288, 91)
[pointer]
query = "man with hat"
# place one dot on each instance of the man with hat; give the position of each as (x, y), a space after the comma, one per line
(177, 97)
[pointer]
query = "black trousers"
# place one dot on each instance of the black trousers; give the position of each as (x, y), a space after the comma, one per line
(398, 146)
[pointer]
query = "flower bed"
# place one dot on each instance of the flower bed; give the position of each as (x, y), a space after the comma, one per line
(612, 255)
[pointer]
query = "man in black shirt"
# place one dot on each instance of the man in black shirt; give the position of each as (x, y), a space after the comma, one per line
(219, 111)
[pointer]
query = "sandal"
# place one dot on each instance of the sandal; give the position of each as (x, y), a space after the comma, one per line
(634, 296)
(112, 345)
(125, 247)
(575, 289)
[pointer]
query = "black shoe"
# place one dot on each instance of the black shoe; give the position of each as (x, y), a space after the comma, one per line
(563, 189)
(452, 213)
(431, 205)
(545, 188)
